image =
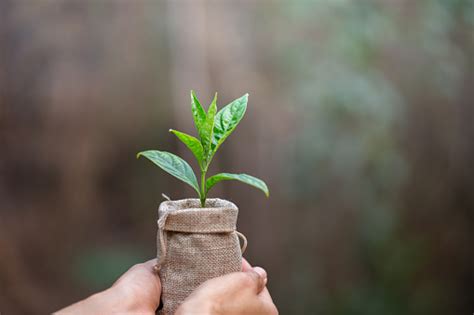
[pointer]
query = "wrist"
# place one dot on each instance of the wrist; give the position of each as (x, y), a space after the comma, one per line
(97, 303)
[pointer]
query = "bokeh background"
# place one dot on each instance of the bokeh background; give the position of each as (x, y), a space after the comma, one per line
(360, 119)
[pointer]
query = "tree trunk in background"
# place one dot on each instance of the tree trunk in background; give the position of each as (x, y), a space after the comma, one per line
(189, 57)
(189, 69)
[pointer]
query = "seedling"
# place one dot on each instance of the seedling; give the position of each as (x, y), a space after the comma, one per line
(213, 128)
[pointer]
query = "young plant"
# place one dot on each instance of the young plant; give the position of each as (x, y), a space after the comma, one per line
(213, 128)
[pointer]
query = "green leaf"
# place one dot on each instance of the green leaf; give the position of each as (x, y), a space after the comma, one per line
(192, 143)
(209, 126)
(174, 165)
(226, 120)
(244, 178)
(204, 122)
(199, 114)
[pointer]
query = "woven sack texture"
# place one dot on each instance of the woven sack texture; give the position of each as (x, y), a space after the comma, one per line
(195, 244)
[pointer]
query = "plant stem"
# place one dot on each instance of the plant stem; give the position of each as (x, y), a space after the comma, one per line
(203, 188)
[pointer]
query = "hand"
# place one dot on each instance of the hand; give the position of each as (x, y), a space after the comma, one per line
(136, 292)
(238, 293)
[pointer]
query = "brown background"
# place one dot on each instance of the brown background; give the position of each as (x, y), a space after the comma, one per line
(360, 120)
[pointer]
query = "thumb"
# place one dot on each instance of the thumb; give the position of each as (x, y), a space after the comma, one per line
(258, 277)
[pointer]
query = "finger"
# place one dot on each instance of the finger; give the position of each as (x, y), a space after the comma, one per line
(141, 270)
(142, 273)
(253, 280)
(245, 265)
(263, 278)
(262, 273)
(258, 278)
(150, 264)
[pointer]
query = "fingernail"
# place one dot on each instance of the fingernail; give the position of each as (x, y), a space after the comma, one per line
(261, 272)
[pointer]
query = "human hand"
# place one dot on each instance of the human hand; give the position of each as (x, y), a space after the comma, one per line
(238, 293)
(137, 291)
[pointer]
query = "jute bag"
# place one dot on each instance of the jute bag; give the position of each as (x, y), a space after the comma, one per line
(195, 244)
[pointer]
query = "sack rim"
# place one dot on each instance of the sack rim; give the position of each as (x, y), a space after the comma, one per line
(184, 204)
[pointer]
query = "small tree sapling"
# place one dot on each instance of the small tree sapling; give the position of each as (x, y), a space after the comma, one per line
(213, 128)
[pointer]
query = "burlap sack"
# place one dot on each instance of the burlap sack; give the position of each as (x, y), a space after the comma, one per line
(195, 244)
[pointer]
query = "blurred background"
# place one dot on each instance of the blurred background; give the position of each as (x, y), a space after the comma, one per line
(360, 119)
